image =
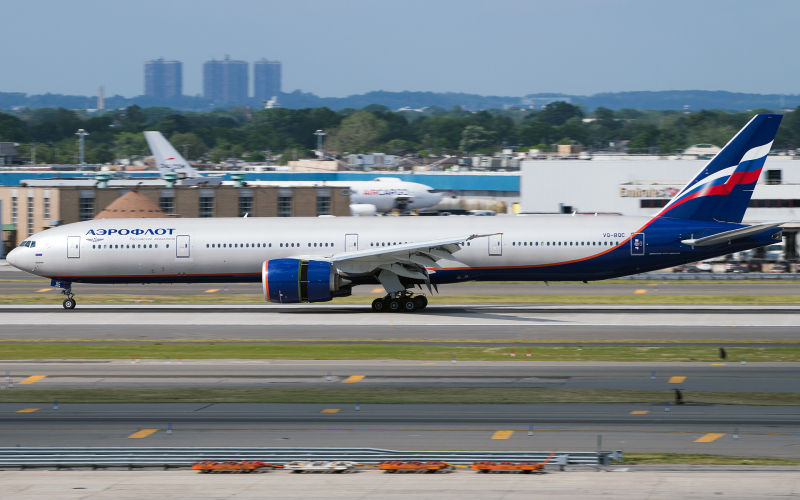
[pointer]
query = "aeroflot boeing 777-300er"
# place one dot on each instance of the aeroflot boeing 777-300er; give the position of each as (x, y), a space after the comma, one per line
(317, 259)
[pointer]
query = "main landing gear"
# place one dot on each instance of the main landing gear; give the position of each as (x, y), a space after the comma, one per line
(400, 302)
(69, 302)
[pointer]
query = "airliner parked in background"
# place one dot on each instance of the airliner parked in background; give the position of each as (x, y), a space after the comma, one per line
(383, 194)
(317, 259)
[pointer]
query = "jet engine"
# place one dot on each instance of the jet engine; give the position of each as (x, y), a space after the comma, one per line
(289, 281)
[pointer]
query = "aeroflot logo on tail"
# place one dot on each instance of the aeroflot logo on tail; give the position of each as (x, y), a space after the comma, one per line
(124, 232)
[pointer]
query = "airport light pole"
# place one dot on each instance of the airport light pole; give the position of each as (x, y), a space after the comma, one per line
(82, 134)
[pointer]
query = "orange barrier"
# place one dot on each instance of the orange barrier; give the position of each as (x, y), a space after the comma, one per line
(231, 466)
(522, 467)
(394, 466)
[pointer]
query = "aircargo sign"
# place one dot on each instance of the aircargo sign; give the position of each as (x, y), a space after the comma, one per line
(648, 192)
(125, 232)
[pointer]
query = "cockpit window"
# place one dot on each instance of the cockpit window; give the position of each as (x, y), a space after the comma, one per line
(33, 244)
(25, 243)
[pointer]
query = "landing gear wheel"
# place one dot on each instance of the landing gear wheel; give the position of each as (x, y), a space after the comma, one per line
(393, 305)
(408, 305)
(379, 305)
(69, 303)
(421, 301)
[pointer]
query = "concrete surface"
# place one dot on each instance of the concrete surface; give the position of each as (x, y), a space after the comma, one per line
(726, 483)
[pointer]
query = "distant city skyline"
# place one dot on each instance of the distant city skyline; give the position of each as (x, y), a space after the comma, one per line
(226, 81)
(163, 79)
(506, 48)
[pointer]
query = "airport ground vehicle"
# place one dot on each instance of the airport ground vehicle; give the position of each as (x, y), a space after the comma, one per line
(302, 260)
(781, 266)
(736, 267)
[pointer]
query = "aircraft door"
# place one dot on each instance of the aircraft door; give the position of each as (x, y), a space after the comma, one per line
(637, 244)
(182, 249)
(350, 242)
(73, 247)
(496, 244)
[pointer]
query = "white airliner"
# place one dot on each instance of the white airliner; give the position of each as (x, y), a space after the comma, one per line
(384, 194)
(317, 259)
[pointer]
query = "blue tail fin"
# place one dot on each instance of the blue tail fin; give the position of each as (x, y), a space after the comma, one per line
(722, 190)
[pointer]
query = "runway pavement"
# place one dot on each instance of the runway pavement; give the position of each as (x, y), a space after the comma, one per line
(390, 374)
(455, 315)
(762, 431)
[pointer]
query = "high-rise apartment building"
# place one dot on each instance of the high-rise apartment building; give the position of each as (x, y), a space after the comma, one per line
(225, 81)
(267, 79)
(163, 79)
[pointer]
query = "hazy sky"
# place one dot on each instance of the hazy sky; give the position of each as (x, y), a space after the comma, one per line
(340, 47)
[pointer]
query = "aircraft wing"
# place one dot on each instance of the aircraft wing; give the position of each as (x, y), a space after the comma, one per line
(727, 236)
(433, 249)
(408, 260)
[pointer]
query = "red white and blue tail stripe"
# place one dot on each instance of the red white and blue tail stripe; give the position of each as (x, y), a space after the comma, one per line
(722, 190)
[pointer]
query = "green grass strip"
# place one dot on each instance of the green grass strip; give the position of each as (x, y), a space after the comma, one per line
(336, 395)
(632, 299)
(402, 352)
(519, 342)
(698, 459)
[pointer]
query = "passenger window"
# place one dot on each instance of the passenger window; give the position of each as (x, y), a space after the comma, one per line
(92, 246)
(326, 244)
(270, 245)
(167, 245)
(156, 245)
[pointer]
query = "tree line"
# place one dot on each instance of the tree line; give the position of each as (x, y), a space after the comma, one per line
(237, 133)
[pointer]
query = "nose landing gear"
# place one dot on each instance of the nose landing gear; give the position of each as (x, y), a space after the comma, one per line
(400, 302)
(69, 302)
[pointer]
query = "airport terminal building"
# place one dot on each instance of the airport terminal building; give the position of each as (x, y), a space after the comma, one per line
(28, 210)
(643, 186)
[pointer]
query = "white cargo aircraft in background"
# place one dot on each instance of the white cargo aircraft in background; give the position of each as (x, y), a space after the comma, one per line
(381, 195)
(317, 259)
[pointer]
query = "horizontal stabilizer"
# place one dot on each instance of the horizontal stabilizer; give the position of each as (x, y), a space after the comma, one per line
(728, 236)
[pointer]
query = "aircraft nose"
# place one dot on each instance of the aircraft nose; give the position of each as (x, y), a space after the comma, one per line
(11, 258)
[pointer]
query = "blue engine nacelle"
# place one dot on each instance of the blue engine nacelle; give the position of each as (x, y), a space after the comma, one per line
(288, 281)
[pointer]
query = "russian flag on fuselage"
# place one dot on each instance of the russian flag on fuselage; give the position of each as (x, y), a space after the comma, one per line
(722, 189)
